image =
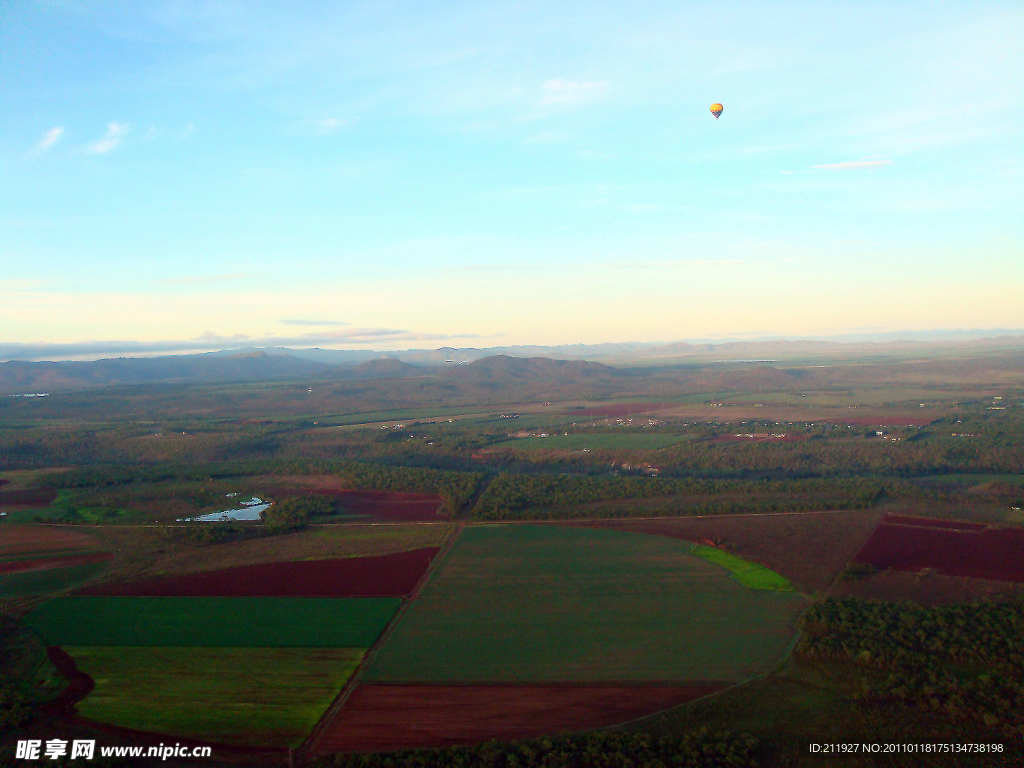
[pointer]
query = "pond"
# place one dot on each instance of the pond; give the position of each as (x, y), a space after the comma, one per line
(248, 510)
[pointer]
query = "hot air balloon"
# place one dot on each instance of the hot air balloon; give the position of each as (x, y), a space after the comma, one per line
(716, 110)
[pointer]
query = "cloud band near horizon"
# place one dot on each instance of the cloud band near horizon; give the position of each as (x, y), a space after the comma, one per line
(209, 342)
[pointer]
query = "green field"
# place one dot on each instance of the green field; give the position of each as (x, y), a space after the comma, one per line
(246, 696)
(50, 580)
(747, 573)
(213, 621)
(576, 441)
(521, 603)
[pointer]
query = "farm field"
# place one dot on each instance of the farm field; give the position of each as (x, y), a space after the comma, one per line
(264, 697)
(386, 717)
(18, 541)
(951, 548)
(27, 497)
(383, 576)
(26, 564)
(45, 581)
(213, 621)
(524, 603)
(616, 410)
(37, 559)
(149, 552)
(373, 506)
(808, 548)
(756, 437)
(927, 588)
(595, 441)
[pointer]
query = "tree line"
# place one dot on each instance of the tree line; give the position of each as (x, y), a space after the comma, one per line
(542, 496)
(963, 660)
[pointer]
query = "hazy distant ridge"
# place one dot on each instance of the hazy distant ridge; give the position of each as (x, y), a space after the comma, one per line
(489, 368)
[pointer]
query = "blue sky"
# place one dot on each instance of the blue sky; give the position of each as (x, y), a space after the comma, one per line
(197, 175)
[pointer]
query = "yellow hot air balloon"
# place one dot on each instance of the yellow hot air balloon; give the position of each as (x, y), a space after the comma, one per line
(716, 110)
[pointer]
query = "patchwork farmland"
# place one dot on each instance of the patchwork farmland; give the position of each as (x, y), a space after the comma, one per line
(242, 657)
(434, 584)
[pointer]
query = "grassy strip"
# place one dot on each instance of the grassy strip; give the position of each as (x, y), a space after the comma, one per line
(747, 573)
(213, 621)
(245, 696)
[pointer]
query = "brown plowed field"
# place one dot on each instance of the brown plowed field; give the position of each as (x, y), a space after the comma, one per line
(993, 553)
(927, 588)
(385, 576)
(384, 717)
(374, 506)
(809, 548)
(28, 497)
(930, 522)
(621, 409)
(42, 539)
(46, 563)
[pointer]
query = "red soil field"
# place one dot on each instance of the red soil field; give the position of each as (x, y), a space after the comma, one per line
(382, 576)
(29, 497)
(375, 506)
(992, 553)
(767, 438)
(931, 522)
(384, 717)
(32, 539)
(927, 588)
(47, 563)
(809, 548)
(391, 507)
(621, 409)
(882, 421)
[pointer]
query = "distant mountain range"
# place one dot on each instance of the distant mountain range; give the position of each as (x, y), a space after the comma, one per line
(486, 368)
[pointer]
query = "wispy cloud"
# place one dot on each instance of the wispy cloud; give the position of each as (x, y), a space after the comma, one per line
(560, 91)
(660, 264)
(330, 125)
(111, 139)
(198, 279)
(853, 164)
(48, 139)
(483, 268)
(211, 341)
(314, 322)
